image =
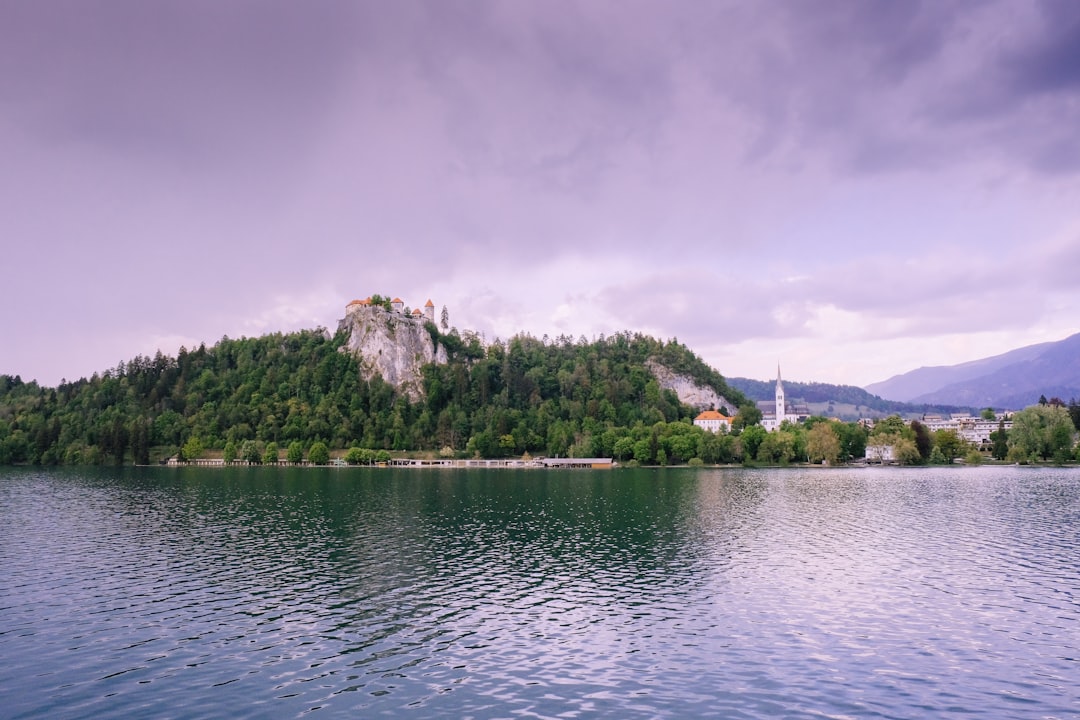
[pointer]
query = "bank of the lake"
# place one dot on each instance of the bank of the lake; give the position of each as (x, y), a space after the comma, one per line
(254, 592)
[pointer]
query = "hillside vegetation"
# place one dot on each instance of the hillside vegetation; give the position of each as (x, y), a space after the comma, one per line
(298, 390)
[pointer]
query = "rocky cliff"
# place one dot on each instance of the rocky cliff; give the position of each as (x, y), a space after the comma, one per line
(689, 392)
(392, 345)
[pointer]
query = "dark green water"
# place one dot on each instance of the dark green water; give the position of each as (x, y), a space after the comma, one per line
(631, 593)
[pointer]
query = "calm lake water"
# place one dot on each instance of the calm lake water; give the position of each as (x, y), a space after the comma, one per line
(846, 593)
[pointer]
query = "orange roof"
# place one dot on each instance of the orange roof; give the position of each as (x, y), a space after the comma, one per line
(429, 303)
(711, 415)
(416, 311)
(356, 302)
(396, 300)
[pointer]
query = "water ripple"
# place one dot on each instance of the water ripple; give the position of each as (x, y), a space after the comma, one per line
(733, 594)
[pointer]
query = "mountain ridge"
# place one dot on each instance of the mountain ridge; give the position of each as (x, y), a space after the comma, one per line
(1013, 379)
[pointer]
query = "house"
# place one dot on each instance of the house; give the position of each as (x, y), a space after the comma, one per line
(880, 453)
(713, 421)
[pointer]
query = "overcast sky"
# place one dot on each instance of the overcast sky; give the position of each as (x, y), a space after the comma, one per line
(851, 189)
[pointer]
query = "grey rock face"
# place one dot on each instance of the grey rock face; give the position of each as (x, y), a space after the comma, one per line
(392, 345)
(689, 392)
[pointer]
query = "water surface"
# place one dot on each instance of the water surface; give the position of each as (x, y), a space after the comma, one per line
(495, 593)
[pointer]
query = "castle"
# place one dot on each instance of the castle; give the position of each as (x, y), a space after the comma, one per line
(396, 305)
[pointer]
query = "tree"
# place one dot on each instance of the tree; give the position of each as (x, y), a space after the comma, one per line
(1041, 432)
(822, 444)
(192, 449)
(747, 416)
(270, 457)
(229, 453)
(987, 414)
(624, 448)
(295, 453)
(949, 444)
(924, 440)
(444, 319)
(852, 441)
(140, 442)
(1000, 442)
(319, 454)
(776, 447)
(752, 438)
(1074, 412)
(905, 452)
(249, 451)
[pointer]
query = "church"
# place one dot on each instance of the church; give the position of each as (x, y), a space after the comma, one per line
(775, 412)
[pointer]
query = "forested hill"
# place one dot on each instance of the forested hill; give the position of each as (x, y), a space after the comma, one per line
(525, 395)
(846, 394)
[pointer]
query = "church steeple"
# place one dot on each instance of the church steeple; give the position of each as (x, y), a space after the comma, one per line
(781, 406)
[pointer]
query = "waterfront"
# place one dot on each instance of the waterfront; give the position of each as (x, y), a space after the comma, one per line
(255, 592)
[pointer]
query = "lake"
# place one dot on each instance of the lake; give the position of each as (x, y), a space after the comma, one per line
(730, 593)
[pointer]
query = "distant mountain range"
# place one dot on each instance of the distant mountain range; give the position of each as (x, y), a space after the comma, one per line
(1012, 380)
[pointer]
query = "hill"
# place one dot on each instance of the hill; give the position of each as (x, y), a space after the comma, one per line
(1011, 380)
(525, 395)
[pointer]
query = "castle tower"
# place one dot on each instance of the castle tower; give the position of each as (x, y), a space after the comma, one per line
(781, 406)
(397, 305)
(429, 311)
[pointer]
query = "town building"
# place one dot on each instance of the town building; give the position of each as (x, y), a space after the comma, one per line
(974, 430)
(713, 421)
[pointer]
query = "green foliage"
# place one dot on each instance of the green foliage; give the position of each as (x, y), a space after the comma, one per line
(752, 438)
(319, 454)
(1041, 432)
(748, 415)
(823, 443)
(193, 449)
(905, 452)
(252, 396)
(229, 453)
(1000, 442)
(250, 452)
(777, 447)
(949, 444)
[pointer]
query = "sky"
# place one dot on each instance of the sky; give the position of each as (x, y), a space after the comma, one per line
(850, 190)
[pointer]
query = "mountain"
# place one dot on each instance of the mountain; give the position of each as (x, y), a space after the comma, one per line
(1011, 380)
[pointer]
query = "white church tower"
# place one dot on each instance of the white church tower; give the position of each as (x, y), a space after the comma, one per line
(781, 405)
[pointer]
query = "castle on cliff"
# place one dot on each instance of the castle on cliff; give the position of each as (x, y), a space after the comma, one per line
(397, 305)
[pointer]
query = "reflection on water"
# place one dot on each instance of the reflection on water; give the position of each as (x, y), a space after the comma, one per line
(633, 593)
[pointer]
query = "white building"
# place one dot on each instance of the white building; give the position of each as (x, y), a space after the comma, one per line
(774, 414)
(713, 421)
(880, 453)
(975, 430)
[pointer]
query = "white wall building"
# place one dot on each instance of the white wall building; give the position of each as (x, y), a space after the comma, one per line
(713, 421)
(772, 418)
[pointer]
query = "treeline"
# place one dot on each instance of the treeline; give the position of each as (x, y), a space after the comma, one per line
(560, 397)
